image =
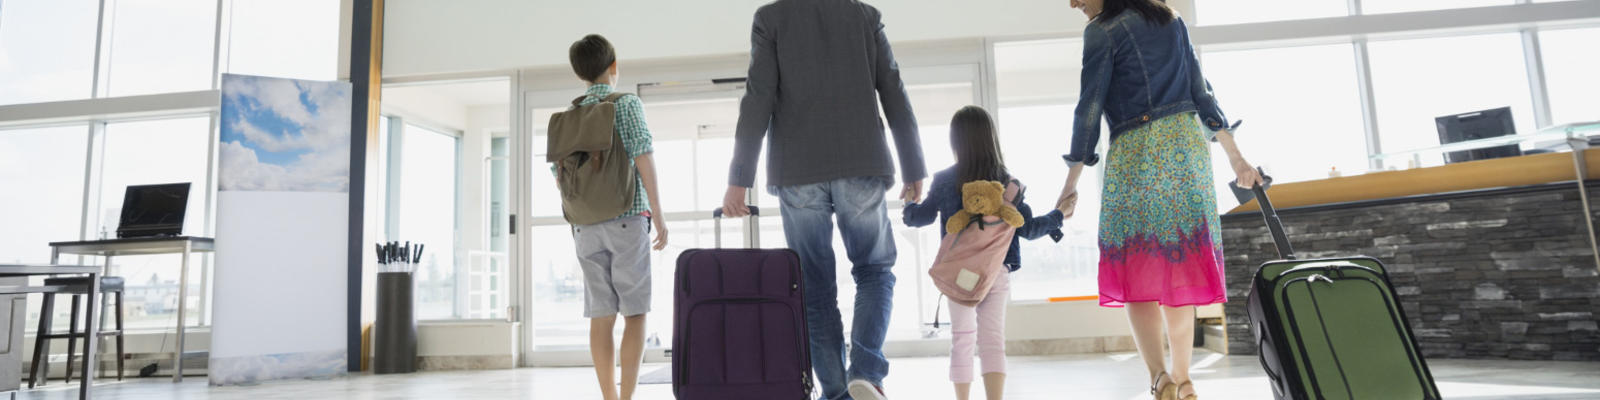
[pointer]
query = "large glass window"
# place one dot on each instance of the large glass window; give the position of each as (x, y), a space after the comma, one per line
(259, 44)
(160, 46)
(546, 199)
(154, 152)
(1394, 6)
(1038, 89)
(684, 131)
(1418, 80)
(1285, 115)
(491, 267)
(557, 284)
(46, 50)
(47, 53)
(41, 170)
(427, 215)
(1034, 138)
(447, 186)
(554, 276)
(1570, 62)
(1222, 12)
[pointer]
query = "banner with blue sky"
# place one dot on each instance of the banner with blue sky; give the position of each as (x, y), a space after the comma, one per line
(284, 135)
(283, 173)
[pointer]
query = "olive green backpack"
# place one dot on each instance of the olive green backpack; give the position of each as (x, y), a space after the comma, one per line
(593, 171)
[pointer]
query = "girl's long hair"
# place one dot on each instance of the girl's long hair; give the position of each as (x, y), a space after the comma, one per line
(1155, 11)
(976, 146)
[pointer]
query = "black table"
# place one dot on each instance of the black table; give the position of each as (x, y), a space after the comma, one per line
(92, 327)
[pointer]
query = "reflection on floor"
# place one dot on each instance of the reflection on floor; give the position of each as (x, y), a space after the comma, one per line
(1103, 376)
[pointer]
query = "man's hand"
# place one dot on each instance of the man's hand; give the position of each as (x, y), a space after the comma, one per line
(912, 192)
(661, 233)
(733, 202)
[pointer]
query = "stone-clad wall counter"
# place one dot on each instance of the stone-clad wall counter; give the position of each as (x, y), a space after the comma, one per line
(1504, 273)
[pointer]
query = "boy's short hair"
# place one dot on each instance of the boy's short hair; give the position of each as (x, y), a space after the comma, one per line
(591, 57)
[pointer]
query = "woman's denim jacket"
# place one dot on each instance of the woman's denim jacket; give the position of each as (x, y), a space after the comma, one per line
(1134, 72)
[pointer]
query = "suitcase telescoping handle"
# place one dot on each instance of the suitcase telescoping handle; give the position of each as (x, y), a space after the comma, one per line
(1280, 239)
(716, 218)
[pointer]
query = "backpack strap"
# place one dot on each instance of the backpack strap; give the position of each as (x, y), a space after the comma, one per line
(611, 98)
(1014, 191)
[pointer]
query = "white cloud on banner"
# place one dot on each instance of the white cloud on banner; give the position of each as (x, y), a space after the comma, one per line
(312, 172)
(313, 124)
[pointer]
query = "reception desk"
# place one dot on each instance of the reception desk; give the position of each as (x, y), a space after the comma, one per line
(1491, 259)
(1469, 176)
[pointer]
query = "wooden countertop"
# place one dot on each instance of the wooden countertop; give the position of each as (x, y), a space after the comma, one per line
(1484, 174)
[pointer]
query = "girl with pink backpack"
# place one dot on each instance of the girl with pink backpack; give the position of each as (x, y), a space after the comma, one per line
(980, 247)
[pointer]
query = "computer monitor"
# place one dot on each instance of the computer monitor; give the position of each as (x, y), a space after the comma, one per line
(153, 210)
(1477, 125)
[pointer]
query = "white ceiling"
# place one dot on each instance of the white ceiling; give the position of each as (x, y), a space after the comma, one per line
(423, 37)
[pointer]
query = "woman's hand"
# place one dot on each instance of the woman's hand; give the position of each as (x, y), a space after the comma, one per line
(1247, 176)
(1068, 203)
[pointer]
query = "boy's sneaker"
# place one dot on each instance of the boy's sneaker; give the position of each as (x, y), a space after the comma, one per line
(860, 389)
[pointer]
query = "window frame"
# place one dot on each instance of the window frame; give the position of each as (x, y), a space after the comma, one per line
(393, 144)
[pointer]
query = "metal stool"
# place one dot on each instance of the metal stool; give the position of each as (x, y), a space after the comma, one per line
(109, 285)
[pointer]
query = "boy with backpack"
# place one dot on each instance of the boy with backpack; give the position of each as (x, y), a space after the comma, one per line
(601, 155)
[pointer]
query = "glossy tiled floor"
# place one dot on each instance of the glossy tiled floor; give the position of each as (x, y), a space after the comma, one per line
(1105, 376)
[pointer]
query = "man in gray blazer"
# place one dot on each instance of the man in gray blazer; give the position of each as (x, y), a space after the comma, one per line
(818, 71)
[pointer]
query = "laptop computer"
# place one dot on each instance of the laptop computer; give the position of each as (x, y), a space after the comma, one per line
(153, 210)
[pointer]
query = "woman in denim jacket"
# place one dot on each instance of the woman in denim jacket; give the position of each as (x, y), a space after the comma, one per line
(1160, 239)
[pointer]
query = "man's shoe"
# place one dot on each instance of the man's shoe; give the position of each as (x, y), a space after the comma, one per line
(860, 389)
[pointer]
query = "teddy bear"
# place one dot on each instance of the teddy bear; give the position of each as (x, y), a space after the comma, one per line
(980, 199)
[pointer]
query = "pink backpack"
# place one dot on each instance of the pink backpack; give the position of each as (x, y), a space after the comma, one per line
(969, 261)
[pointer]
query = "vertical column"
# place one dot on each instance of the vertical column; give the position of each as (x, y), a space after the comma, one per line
(224, 23)
(1533, 55)
(1369, 104)
(366, 58)
(90, 218)
(183, 306)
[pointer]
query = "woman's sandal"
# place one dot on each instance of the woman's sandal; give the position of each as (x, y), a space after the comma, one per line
(1179, 388)
(1163, 387)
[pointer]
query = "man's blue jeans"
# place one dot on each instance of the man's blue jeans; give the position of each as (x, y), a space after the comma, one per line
(863, 219)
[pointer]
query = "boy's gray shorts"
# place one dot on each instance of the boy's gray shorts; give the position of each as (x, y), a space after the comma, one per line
(615, 257)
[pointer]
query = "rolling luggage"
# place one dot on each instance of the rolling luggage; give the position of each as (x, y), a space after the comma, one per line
(1332, 328)
(739, 326)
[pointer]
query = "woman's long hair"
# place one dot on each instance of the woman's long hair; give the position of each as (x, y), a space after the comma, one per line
(976, 146)
(1155, 11)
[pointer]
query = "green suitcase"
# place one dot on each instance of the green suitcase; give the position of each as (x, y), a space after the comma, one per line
(1332, 328)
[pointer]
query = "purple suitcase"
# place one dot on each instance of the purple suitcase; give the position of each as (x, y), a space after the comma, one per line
(739, 326)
